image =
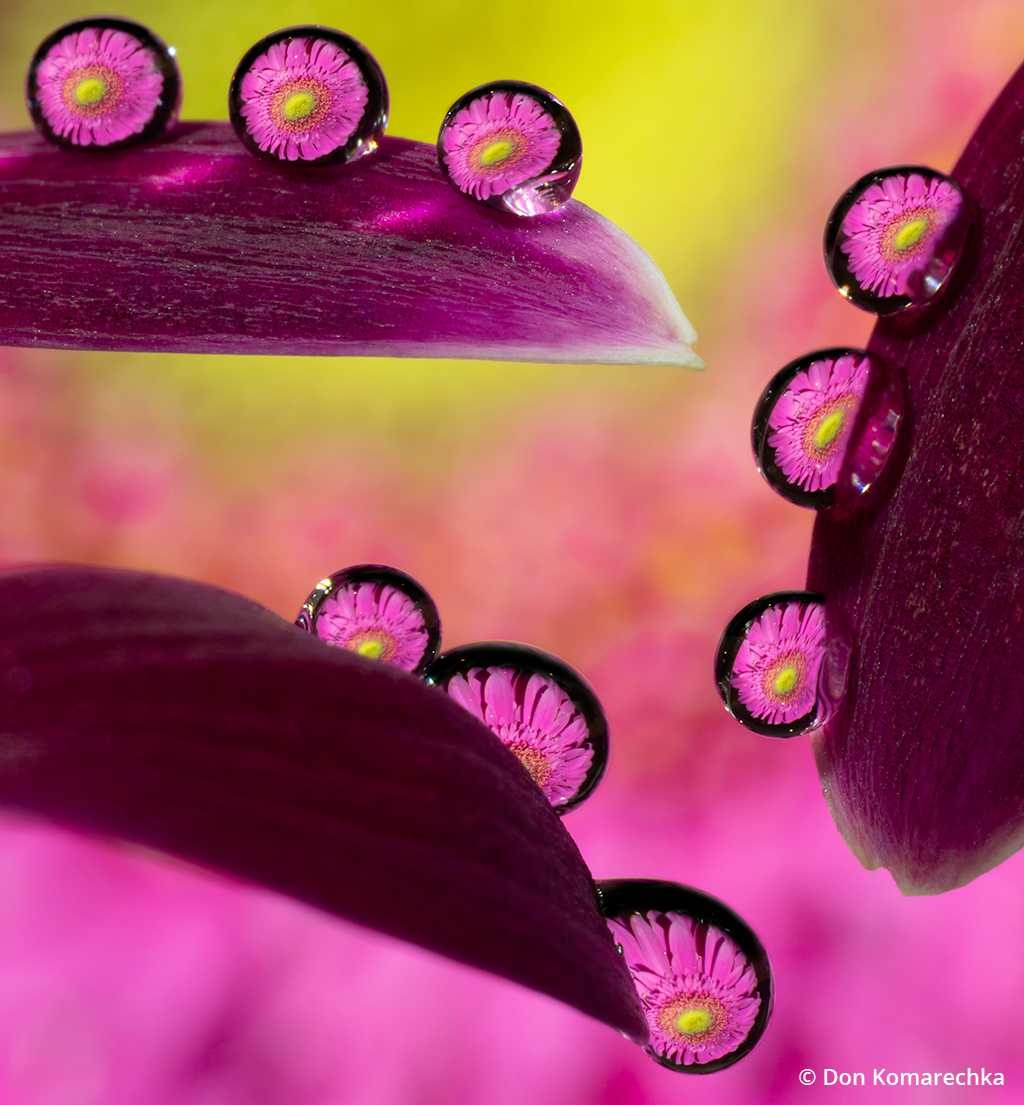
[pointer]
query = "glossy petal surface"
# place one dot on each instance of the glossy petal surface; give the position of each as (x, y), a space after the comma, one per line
(923, 765)
(191, 720)
(193, 245)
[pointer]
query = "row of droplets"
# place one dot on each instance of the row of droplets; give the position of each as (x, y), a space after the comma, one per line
(702, 975)
(823, 431)
(306, 96)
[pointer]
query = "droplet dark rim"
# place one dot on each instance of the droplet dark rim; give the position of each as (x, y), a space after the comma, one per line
(511, 654)
(619, 898)
(725, 657)
(570, 147)
(170, 94)
(378, 101)
(378, 573)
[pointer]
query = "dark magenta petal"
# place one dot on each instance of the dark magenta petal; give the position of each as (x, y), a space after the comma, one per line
(193, 244)
(194, 721)
(923, 765)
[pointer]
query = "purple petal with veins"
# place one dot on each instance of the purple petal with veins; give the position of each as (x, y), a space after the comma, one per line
(923, 764)
(191, 720)
(192, 244)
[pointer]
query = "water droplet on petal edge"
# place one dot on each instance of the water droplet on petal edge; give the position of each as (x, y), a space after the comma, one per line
(894, 238)
(541, 710)
(103, 83)
(825, 426)
(309, 95)
(513, 146)
(378, 612)
(702, 974)
(782, 663)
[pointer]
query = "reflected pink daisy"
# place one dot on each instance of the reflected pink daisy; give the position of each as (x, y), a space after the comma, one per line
(697, 989)
(497, 142)
(892, 229)
(376, 620)
(775, 672)
(536, 720)
(302, 98)
(97, 86)
(811, 421)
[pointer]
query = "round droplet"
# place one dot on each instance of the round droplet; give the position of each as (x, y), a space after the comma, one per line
(309, 95)
(825, 426)
(513, 146)
(782, 663)
(378, 612)
(539, 707)
(103, 83)
(702, 975)
(893, 239)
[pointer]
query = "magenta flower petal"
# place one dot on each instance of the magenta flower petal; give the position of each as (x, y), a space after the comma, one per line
(923, 765)
(309, 94)
(204, 248)
(191, 720)
(703, 976)
(541, 710)
(103, 82)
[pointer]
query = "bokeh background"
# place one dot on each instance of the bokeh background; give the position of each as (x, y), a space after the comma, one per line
(610, 515)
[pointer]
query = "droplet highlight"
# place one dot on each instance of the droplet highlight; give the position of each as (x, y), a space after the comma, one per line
(782, 663)
(377, 612)
(894, 238)
(825, 426)
(539, 708)
(309, 95)
(702, 975)
(513, 146)
(103, 83)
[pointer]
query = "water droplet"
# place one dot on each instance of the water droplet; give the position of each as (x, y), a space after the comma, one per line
(540, 708)
(378, 612)
(893, 239)
(309, 95)
(782, 663)
(702, 975)
(513, 146)
(103, 83)
(825, 426)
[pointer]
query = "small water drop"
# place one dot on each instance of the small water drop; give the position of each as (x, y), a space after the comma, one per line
(825, 426)
(702, 975)
(309, 95)
(894, 238)
(103, 83)
(540, 708)
(511, 145)
(377, 612)
(782, 663)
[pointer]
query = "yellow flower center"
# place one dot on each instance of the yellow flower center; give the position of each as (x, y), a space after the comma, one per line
(786, 680)
(693, 1022)
(299, 105)
(89, 91)
(536, 763)
(373, 649)
(495, 152)
(828, 428)
(910, 233)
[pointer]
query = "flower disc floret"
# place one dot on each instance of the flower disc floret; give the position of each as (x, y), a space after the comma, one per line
(376, 620)
(697, 989)
(97, 86)
(536, 720)
(812, 419)
(776, 669)
(497, 142)
(892, 229)
(302, 98)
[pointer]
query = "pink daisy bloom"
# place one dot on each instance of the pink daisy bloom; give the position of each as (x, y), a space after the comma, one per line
(301, 99)
(376, 620)
(776, 669)
(99, 84)
(498, 141)
(697, 989)
(892, 229)
(811, 421)
(536, 720)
